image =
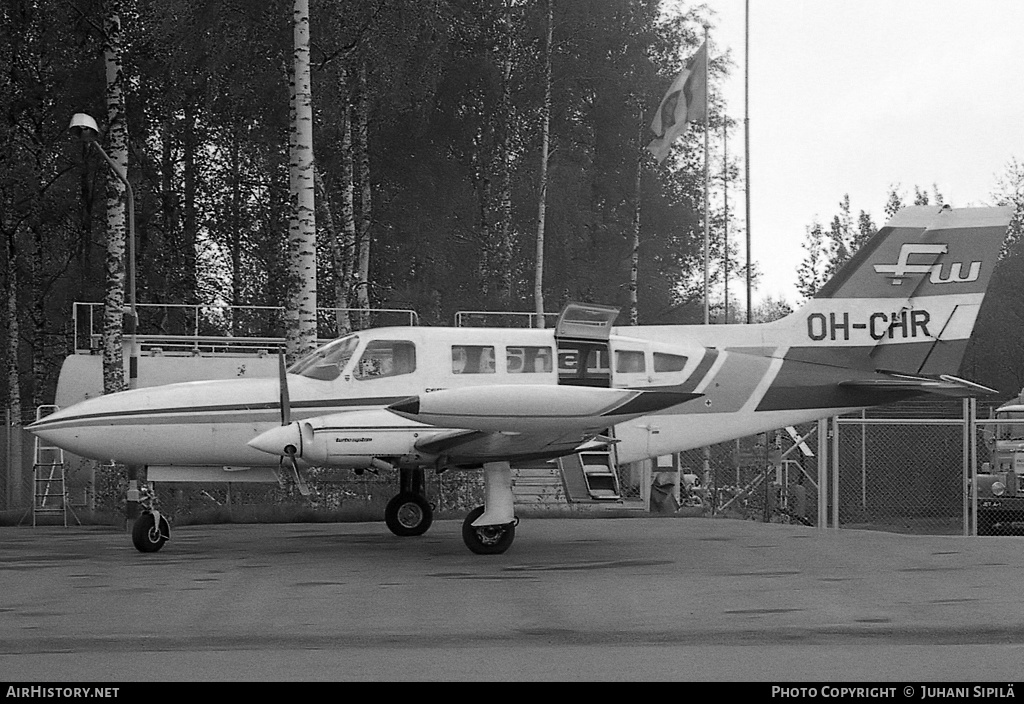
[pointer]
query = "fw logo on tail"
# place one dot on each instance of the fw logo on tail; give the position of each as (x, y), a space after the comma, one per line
(902, 268)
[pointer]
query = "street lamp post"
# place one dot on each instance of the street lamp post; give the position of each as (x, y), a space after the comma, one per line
(84, 128)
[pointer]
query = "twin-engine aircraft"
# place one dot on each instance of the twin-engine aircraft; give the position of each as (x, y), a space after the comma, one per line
(892, 324)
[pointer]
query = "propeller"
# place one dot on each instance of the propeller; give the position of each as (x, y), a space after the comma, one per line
(286, 418)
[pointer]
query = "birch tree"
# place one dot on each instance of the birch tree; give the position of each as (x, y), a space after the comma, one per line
(362, 149)
(538, 278)
(345, 251)
(117, 136)
(300, 315)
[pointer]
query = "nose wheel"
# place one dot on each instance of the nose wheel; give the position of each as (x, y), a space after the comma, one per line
(150, 532)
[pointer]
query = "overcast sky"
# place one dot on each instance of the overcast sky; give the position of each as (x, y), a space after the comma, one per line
(853, 97)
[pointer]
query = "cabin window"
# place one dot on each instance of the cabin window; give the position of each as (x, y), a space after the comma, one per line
(383, 358)
(664, 362)
(472, 359)
(327, 362)
(629, 362)
(528, 360)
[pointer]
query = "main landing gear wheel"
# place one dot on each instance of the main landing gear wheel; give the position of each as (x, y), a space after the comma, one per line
(145, 534)
(408, 514)
(487, 540)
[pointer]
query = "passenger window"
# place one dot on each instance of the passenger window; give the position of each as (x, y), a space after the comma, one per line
(383, 358)
(472, 359)
(668, 362)
(629, 362)
(528, 360)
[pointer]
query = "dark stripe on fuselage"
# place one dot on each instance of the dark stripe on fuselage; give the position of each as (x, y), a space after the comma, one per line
(710, 355)
(651, 402)
(200, 414)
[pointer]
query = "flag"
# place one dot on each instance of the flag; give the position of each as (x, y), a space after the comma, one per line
(686, 101)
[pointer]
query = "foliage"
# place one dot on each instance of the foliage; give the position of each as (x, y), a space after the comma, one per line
(828, 251)
(445, 201)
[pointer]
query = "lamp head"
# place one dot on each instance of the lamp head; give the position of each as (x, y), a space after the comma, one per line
(83, 127)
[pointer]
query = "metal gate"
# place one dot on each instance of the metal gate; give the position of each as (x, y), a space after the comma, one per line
(906, 475)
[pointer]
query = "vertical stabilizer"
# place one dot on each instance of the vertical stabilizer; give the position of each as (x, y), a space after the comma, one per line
(907, 301)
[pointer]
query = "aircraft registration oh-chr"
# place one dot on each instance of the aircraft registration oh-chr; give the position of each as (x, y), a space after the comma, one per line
(892, 324)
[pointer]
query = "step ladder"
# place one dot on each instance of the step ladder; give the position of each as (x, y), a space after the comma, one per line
(590, 476)
(599, 472)
(50, 492)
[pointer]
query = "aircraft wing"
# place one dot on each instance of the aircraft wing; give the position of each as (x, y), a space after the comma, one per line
(541, 408)
(477, 446)
(944, 384)
(523, 422)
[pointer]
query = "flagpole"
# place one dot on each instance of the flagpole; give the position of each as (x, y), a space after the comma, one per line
(707, 233)
(725, 226)
(746, 139)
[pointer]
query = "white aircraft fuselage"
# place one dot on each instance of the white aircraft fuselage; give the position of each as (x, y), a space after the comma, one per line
(892, 324)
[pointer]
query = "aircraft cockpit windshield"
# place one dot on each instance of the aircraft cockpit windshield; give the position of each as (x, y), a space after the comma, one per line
(325, 363)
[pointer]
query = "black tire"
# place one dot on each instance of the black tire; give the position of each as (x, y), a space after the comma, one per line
(145, 537)
(486, 540)
(408, 514)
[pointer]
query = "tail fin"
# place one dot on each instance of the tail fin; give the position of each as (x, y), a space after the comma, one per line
(907, 301)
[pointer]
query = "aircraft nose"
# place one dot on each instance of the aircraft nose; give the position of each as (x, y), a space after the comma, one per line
(276, 440)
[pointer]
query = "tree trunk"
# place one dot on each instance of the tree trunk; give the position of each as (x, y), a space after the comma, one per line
(505, 245)
(538, 277)
(235, 236)
(301, 331)
(38, 317)
(113, 310)
(348, 220)
(14, 478)
(169, 212)
(634, 263)
(13, 329)
(365, 205)
(342, 322)
(190, 217)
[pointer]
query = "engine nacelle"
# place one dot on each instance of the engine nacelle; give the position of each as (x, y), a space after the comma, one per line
(352, 439)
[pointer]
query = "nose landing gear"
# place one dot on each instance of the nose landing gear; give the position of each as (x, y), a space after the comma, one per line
(151, 530)
(409, 513)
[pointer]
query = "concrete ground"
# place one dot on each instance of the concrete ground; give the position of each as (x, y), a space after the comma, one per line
(639, 599)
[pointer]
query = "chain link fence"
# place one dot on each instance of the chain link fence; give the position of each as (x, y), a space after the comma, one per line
(902, 475)
(771, 477)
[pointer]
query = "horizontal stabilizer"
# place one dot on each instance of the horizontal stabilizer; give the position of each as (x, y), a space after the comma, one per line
(943, 384)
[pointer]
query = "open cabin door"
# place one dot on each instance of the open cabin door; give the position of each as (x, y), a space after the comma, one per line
(584, 359)
(581, 333)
